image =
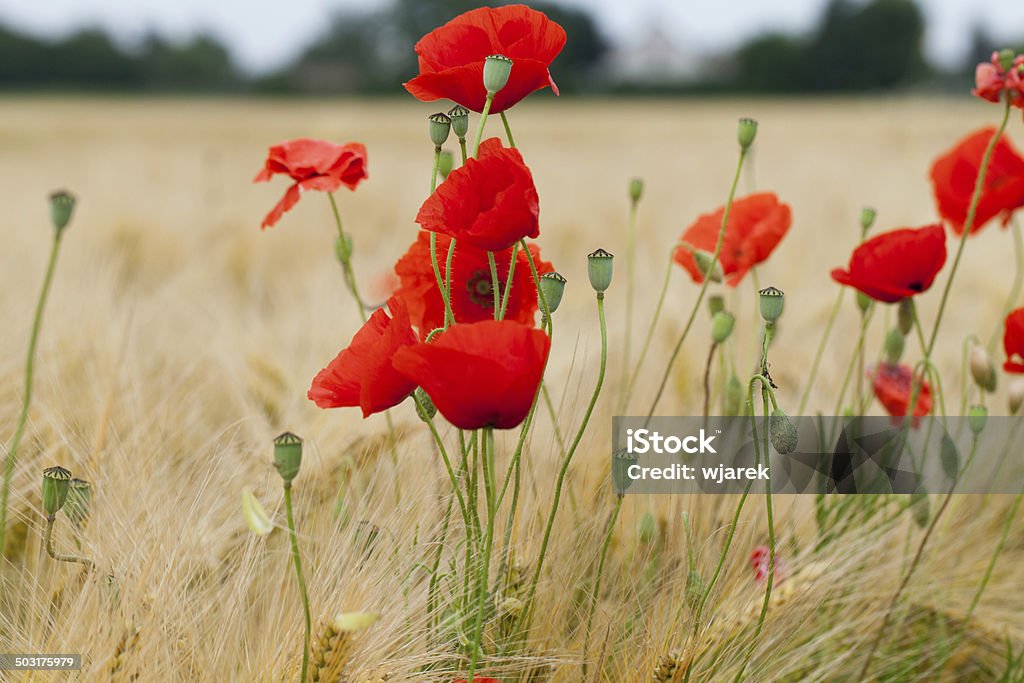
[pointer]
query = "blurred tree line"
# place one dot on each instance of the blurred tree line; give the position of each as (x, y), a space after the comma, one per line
(857, 45)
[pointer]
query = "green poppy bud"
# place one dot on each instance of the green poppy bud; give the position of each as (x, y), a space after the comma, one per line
(497, 69)
(425, 407)
(977, 416)
(343, 248)
(704, 260)
(863, 302)
(867, 218)
(905, 316)
(715, 304)
(553, 286)
(949, 457)
(622, 460)
(636, 189)
(982, 369)
(1016, 396)
(599, 269)
(721, 326)
(440, 126)
(62, 205)
(771, 300)
(894, 344)
(747, 132)
(287, 456)
(733, 401)
(78, 502)
(56, 482)
(445, 163)
(459, 116)
(782, 432)
(920, 508)
(1006, 57)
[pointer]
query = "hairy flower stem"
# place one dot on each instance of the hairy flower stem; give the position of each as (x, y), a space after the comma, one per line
(462, 147)
(487, 465)
(707, 382)
(26, 399)
(443, 284)
(495, 285)
(609, 531)
(630, 289)
(48, 539)
(508, 131)
(508, 281)
(483, 122)
(703, 287)
(296, 557)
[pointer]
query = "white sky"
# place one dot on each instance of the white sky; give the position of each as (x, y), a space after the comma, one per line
(263, 34)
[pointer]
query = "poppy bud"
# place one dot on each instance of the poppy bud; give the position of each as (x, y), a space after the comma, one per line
(715, 304)
(733, 396)
(894, 344)
(79, 500)
(982, 369)
(636, 189)
(1006, 57)
(977, 416)
(622, 460)
(255, 516)
(425, 407)
(496, 72)
(440, 126)
(704, 260)
(747, 132)
(553, 287)
(782, 432)
(599, 269)
(863, 302)
(867, 218)
(62, 204)
(949, 457)
(56, 482)
(920, 508)
(287, 456)
(459, 116)
(445, 163)
(1016, 397)
(721, 326)
(343, 247)
(771, 300)
(905, 316)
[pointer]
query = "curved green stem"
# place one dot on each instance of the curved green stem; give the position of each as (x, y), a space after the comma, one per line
(487, 465)
(298, 573)
(630, 288)
(508, 131)
(346, 264)
(48, 539)
(609, 530)
(483, 122)
(508, 281)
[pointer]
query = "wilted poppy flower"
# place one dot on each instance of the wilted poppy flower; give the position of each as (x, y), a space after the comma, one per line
(1013, 342)
(896, 264)
(892, 384)
(760, 559)
(955, 173)
(991, 80)
(472, 287)
(483, 374)
(451, 58)
(756, 226)
(313, 165)
(362, 374)
(490, 202)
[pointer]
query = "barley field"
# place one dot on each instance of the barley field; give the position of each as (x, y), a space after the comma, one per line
(180, 339)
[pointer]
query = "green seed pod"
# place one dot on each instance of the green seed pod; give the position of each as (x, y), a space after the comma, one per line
(747, 132)
(867, 218)
(79, 501)
(288, 456)
(445, 163)
(771, 300)
(459, 116)
(863, 302)
(715, 304)
(62, 205)
(977, 416)
(782, 432)
(982, 369)
(704, 260)
(425, 407)
(622, 460)
(553, 286)
(440, 126)
(599, 269)
(343, 248)
(1006, 57)
(894, 344)
(56, 482)
(733, 400)
(497, 69)
(721, 326)
(949, 457)
(636, 189)
(905, 316)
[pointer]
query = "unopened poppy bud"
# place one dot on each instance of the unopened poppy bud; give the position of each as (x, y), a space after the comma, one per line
(782, 432)
(894, 344)
(497, 69)
(733, 402)
(425, 407)
(747, 132)
(1006, 57)
(977, 416)
(867, 218)
(445, 163)
(622, 460)
(552, 285)
(905, 316)
(721, 326)
(287, 456)
(56, 482)
(636, 189)
(255, 516)
(1016, 396)
(704, 260)
(771, 300)
(440, 126)
(62, 205)
(863, 302)
(920, 508)
(983, 370)
(343, 247)
(79, 500)
(599, 269)
(715, 304)
(459, 116)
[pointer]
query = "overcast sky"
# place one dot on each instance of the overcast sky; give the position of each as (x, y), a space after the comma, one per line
(263, 34)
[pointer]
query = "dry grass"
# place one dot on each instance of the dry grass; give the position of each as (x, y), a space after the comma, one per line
(180, 340)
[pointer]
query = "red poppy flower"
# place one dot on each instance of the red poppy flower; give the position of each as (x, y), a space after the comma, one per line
(991, 80)
(896, 264)
(362, 374)
(1013, 342)
(760, 559)
(490, 202)
(451, 58)
(756, 226)
(313, 165)
(955, 173)
(472, 293)
(892, 385)
(479, 374)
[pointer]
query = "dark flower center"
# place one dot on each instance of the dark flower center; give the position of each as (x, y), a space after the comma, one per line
(481, 290)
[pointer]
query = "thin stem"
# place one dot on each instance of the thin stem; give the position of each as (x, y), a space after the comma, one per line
(298, 573)
(865, 321)
(487, 466)
(609, 529)
(703, 287)
(508, 281)
(462, 146)
(508, 131)
(630, 288)
(1018, 281)
(821, 349)
(483, 122)
(26, 400)
(88, 564)
(346, 264)
(707, 382)
(495, 284)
